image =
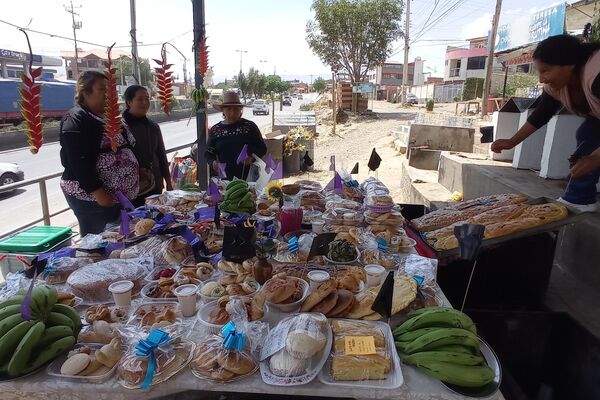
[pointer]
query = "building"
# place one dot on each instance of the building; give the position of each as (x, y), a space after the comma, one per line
(388, 77)
(297, 86)
(466, 62)
(13, 63)
(92, 60)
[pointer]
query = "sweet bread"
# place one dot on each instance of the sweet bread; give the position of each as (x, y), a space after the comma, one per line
(236, 362)
(320, 293)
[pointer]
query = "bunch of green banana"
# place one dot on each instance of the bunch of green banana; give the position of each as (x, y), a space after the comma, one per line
(238, 199)
(26, 345)
(199, 95)
(442, 342)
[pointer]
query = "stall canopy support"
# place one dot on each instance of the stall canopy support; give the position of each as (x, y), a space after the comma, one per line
(201, 121)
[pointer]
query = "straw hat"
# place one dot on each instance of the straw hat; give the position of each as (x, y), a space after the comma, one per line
(230, 99)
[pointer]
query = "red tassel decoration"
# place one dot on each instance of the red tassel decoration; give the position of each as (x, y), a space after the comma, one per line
(30, 104)
(203, 58)
(164, 81)
(112, 117)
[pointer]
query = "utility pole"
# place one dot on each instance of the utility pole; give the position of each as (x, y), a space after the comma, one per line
(489, 64)
(263, 62)
(76, 25)
(406, 49)
(201, 120)
(333, 92)
(241, 56)
(134, 52)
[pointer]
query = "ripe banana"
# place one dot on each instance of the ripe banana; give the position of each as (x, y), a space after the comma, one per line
(49, 353)
(460, 375)
(24, 349)
(442, 337)
(11, 339)
(56, 319)
(442, 356)
(447, 317)
(16, 299)
(10, 322)
(10, 310)
(71, 313)
(52, 334)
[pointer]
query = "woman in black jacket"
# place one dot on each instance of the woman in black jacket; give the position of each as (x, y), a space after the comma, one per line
(149, 145)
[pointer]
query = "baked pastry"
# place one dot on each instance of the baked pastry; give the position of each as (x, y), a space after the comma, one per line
(327, 304)
(144, 226)
(75, 364)
(304, 344)
(277, 290)
(109, 354)
(237, 362)
(358, 368)
(283, 364)
(362, 305)
(405, 291)
(92, 367)
(218, 316)
(343, 327)
(548, 212)
(348, 280)
(99, 312)
(320, 293)
(345, 300)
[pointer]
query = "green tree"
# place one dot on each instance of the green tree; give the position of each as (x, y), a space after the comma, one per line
(124, 66)
(319, 85)
(253, 80)
(356, 35)
(243, 84)
(517, 81)
(261, 86)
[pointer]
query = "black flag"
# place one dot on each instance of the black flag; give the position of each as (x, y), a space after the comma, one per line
(469, 239)
(374, 160)
(354, 170)
(385, 297)
(320, 245)
(307, 160)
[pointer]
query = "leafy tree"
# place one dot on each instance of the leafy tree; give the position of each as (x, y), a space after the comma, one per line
(124, 67)
(243, 84)
(226, 85)
(319, 85)
(517, 81)
(355, 35)
(472, 89)
(261, 86)
(253, 80)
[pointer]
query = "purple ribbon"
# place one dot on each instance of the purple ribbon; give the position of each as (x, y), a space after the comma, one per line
(25, 310)
(124, 201)
(204, 214)
(213, 192)
(124, 229)
(139, 212)
(161, 225)
(278, 172)
(221, 170)
(111, 247)
(243, 154)
(60, 253)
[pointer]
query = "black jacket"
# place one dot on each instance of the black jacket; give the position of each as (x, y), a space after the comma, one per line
(149, 149)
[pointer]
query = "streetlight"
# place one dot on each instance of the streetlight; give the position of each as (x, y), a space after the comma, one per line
(241, 51)
(263, 62)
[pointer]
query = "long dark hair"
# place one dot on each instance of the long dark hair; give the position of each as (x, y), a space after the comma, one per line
(131, 92)
(564, 50)
(85, 84)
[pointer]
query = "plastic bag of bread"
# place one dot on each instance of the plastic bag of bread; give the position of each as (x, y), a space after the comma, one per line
(296, 349)
(91, 282)
(165, 250)
(57, 270)
(343, 216)
(312, 199)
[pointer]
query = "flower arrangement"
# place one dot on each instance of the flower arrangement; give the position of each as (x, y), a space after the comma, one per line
(302, 132)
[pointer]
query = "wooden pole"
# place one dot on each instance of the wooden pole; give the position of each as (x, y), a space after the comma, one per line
(201, 120)
(333, 91)
(490, 59)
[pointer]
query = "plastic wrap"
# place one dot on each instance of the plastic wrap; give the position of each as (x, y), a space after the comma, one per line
(415, 265)
(295, 350)
(165, 250)
(214, 362)
(306, 184)
(377, 196)
(57, 270)
(343, 216)
(391, 218)
(92, 281)
(99, 332)
(312, 200)
(339, 202)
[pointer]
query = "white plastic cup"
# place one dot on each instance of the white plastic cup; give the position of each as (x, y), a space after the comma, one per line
(187, 297)
(317, 226)
(121, 291)
(317, 277)
(375, 274)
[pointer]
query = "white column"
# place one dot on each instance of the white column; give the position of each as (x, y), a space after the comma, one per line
(3, 70)
(506, 124)
(559, 144)
(528, 154)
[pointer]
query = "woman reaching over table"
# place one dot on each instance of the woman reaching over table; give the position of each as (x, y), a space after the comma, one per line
(570, 72)
(227, 139)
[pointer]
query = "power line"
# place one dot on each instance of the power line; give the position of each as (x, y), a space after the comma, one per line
(52, 34)
(447, 12)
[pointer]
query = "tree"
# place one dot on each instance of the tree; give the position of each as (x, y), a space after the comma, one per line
(243, 84)
(124, 66)
(355, 35)
(319, 85)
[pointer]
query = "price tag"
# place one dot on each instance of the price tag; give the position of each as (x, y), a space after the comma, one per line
(359, 345)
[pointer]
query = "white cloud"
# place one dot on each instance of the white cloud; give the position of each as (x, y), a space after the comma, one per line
(479, 27)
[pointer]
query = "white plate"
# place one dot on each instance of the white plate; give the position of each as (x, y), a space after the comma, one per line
(54, 367)
(394, 378)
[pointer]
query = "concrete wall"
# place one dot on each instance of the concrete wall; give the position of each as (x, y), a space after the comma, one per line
(437, 137)
(559, 144)
(528, 154)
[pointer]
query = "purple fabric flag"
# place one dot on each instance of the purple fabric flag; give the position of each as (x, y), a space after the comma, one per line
(270, 162)
(335, 184)
(332, 163)
(213, 192)
(243, 154)
(124, 201)
(221, 170)
(278, 172)
(124, 230)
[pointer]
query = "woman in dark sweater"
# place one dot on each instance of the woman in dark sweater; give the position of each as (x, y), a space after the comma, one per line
(149, 146)
(227, 138)
(93, 172)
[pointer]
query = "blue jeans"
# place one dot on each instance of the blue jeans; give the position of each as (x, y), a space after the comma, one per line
(91, 216)
(583, 190)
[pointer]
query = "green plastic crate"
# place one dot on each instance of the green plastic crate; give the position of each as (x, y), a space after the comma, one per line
(35, 240)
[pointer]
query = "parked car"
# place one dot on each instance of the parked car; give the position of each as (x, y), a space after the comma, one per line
(294, 94)
(260, 107)
(10, 173)
(287, 101)
(250, 101)
(300, 97)
(412, 98)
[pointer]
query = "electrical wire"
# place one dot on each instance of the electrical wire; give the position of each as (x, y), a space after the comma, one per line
(52, 34)
(440, 18)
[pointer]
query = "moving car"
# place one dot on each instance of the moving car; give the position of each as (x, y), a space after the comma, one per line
(287, 101)
(260, 107)
(10, 173)
(300, 97)
(412, 98)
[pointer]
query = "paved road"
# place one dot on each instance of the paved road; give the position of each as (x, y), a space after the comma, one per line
(24, 204)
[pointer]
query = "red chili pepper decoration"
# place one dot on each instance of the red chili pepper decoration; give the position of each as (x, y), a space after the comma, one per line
(164, 81)
(203, 58)
(112, 117)
(30, 104)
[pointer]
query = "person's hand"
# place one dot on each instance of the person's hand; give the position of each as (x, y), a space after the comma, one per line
(215, 166)
(249, 161)
(104, 198)
(501, 144)
(586, 165)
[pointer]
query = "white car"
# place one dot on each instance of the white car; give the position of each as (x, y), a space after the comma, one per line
(10, 173)
(300, 97)
(260, 107)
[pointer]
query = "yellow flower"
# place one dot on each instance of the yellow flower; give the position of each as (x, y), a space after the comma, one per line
(273, 191)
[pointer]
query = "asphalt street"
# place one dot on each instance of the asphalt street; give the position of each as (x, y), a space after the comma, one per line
(24, 204)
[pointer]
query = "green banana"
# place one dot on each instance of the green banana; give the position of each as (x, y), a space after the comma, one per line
(235, 194)
(11, 339)
(10, 310)
(442, 337)
(244, 200)
(420, 311)
(457, 348)
(460, 375)
(71, 313)
(412, 335)
(24, 349)
(235, 183)
(52, 334)
(49, 353)
(51, 296)
(448, 317)
(10, 322)
(39, 300)
(442, 356)
(55, 319)
(15, 299)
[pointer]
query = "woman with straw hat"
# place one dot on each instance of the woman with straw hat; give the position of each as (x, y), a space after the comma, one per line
(227, 138)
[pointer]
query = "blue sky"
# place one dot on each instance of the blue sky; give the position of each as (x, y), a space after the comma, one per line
(270, 30)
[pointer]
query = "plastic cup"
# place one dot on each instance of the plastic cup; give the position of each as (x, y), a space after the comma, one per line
(317, 226)
(121, 291)
(375, 274)
(316, 278)
(187, 297)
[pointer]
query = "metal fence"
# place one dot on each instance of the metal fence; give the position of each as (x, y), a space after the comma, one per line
(47, 214)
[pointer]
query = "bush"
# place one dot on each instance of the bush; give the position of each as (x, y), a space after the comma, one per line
(307, 107)
(456, 98)
(472, 89)
(429, 105)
